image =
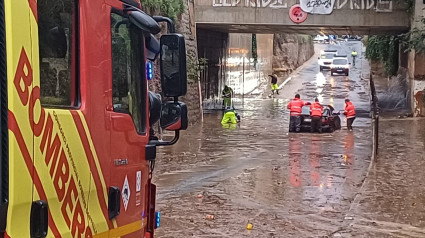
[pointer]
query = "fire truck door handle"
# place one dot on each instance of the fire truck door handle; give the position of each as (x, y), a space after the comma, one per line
(39, 222)
(114, 202)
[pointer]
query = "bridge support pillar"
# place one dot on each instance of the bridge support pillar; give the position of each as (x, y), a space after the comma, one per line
(416, 62)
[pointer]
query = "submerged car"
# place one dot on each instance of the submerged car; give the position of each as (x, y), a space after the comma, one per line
(325, 59)
(330, 119)
(340, 65)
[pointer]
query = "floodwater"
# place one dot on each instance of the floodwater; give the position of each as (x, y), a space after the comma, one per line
(216, 179)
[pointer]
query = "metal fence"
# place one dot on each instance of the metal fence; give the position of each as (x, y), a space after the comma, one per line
(375, 115)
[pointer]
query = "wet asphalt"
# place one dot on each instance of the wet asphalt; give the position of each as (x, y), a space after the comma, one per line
(216, 179)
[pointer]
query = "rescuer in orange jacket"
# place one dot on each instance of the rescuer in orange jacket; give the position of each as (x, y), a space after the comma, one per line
(350, 113)
(295, 107)
(316, 111)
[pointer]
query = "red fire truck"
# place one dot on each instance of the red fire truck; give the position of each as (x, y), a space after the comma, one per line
(77, 146)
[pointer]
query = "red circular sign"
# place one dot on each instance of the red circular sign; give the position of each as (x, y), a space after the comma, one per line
(296, 14)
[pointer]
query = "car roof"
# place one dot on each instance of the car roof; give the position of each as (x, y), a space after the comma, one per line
(328, 52)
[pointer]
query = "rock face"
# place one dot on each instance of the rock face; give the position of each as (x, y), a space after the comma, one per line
(378, 68)
(290, 51)
(185, 25)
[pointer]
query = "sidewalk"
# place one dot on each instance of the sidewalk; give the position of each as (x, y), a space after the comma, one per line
(391, 202)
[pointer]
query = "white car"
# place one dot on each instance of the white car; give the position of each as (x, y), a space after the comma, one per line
(325, 59)
(340, 65)
(320, 38)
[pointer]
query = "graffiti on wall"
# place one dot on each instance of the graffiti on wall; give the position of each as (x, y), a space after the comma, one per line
(275, 4)
(378, 5)
(317, 6)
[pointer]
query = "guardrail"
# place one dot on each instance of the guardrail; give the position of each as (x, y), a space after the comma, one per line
(375, 115)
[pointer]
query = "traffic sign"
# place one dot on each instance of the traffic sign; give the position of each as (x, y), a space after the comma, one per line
(296, 14)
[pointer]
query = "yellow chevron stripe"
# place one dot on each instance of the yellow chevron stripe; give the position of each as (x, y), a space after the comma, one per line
(96, 159)
(121, 231)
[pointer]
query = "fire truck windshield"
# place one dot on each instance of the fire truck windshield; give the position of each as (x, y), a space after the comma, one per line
(128, 81)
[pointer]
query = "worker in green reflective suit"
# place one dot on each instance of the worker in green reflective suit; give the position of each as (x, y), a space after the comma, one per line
(227, 97)
(230, 116)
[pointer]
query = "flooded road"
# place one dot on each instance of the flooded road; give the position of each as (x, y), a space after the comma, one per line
(217, 179)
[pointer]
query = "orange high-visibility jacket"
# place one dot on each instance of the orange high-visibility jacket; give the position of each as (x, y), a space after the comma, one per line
(295, 106)
(316, 109)
(350, 111)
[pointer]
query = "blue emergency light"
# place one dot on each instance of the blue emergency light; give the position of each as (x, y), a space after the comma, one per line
(149, 70)
(157, 219)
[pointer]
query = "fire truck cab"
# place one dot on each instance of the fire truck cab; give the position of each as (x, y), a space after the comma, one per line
(77, 146)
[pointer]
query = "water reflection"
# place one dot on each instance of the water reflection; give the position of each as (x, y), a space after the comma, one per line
(348, 157)
(242, 72)
(320, 79)
(315, 155)
(332, 82)
(295, 161)
(230, 126)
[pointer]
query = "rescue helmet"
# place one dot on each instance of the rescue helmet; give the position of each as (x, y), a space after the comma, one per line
(316, 100)
(297, 95)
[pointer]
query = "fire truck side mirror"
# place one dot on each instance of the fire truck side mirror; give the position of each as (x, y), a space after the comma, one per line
(174, 116)
(173, 65)
(144, 21)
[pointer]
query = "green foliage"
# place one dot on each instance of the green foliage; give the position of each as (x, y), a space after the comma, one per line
(169, 8)
(391, 62)
(306, 39)
(194, 67)
(414, 40)
(384, 49)
(410, 6)
(409, 3)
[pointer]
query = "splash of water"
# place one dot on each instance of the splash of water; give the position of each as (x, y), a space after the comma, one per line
(395, 98)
